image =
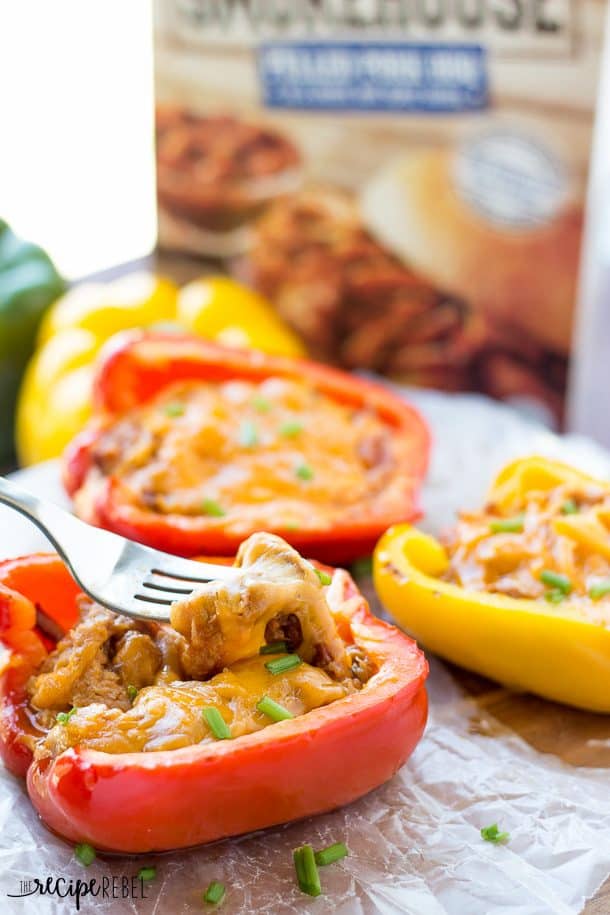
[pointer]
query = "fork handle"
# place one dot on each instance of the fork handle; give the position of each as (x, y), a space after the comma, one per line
(39, 511)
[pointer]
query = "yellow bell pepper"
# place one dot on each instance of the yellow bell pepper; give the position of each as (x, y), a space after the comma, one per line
(55, 397)
(550, 649)
(135, 300)
(220, 309)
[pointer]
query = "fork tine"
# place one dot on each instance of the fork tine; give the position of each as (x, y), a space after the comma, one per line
(166, 588)
(200, 579)
(142, 608)
(152, 600)
(190, 570)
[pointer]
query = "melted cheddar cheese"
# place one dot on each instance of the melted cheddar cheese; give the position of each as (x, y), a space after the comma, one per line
(276, 593)
(251, 455)
(119, 685)
(170, 716)
(564, 531)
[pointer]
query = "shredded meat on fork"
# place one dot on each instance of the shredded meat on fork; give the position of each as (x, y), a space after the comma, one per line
(123, 685)
(227, 622)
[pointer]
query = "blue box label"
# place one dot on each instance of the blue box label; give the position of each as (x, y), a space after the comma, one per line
(373, 76)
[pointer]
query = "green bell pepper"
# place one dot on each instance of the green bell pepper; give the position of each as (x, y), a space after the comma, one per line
(29, 282)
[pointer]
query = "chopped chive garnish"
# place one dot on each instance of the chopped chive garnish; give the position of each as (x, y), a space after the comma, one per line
(273, 648)
(304, 472)
(493, 834)
(331, 854)
(292, 526)
(554, 596)
(599, 589)
(132, 692)
(324, 577)
(556, 580)
(173, 409)
(291, 428)
(362, 566)
(569, 507)
(147, 873)
(212, 508)
(261, 404)
(216, 723)
(84, 854)
(308, 877)
(273, 710)
(214, 893)
(512, 525)
(281, 665)
(64, 717)
(248, 434)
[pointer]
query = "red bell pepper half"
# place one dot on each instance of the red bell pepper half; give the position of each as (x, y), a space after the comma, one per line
(137, 366)
(144, 802)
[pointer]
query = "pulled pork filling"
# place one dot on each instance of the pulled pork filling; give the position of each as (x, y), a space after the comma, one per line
(551, 544)
(251, 455)
(119, 685)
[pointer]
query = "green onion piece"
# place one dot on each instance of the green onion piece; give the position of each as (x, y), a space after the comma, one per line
(324, 577)
(214, 893)
(362, 567)
(64, 717)
(554, 596)
(84, 854)
(308, 877)
(248, 434)
(599, 589)
(331, 854)
(173, 409)
(512, 525)
(132, 692)
(216, 723)
(493, 834)
(273, 710)
(291, 429)
(261, 404)
(282, 665)
(556, 580)
(292, 525)
(569, 507)
(212, 508)
(273, 648)
(304, 472)
(147, 873)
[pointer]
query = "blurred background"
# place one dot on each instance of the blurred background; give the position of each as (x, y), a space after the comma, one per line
(77, 155)
(487, 305)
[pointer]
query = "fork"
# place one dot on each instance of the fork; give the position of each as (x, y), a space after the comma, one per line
(119, 574)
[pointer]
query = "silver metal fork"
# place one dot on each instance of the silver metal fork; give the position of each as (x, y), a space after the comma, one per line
(122, 575)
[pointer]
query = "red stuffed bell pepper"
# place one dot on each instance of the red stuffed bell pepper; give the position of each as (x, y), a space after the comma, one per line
(194, 447)
(340, 737)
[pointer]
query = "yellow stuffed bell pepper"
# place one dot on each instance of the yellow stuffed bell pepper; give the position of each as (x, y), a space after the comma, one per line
(520, 592)
(55, 397)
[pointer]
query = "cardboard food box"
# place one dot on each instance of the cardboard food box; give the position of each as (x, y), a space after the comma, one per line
(403, 180)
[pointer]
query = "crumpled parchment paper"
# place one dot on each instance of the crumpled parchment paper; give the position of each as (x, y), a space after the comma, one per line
(415, 843)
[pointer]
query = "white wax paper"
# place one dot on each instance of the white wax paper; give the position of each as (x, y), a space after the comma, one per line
(414, 843)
